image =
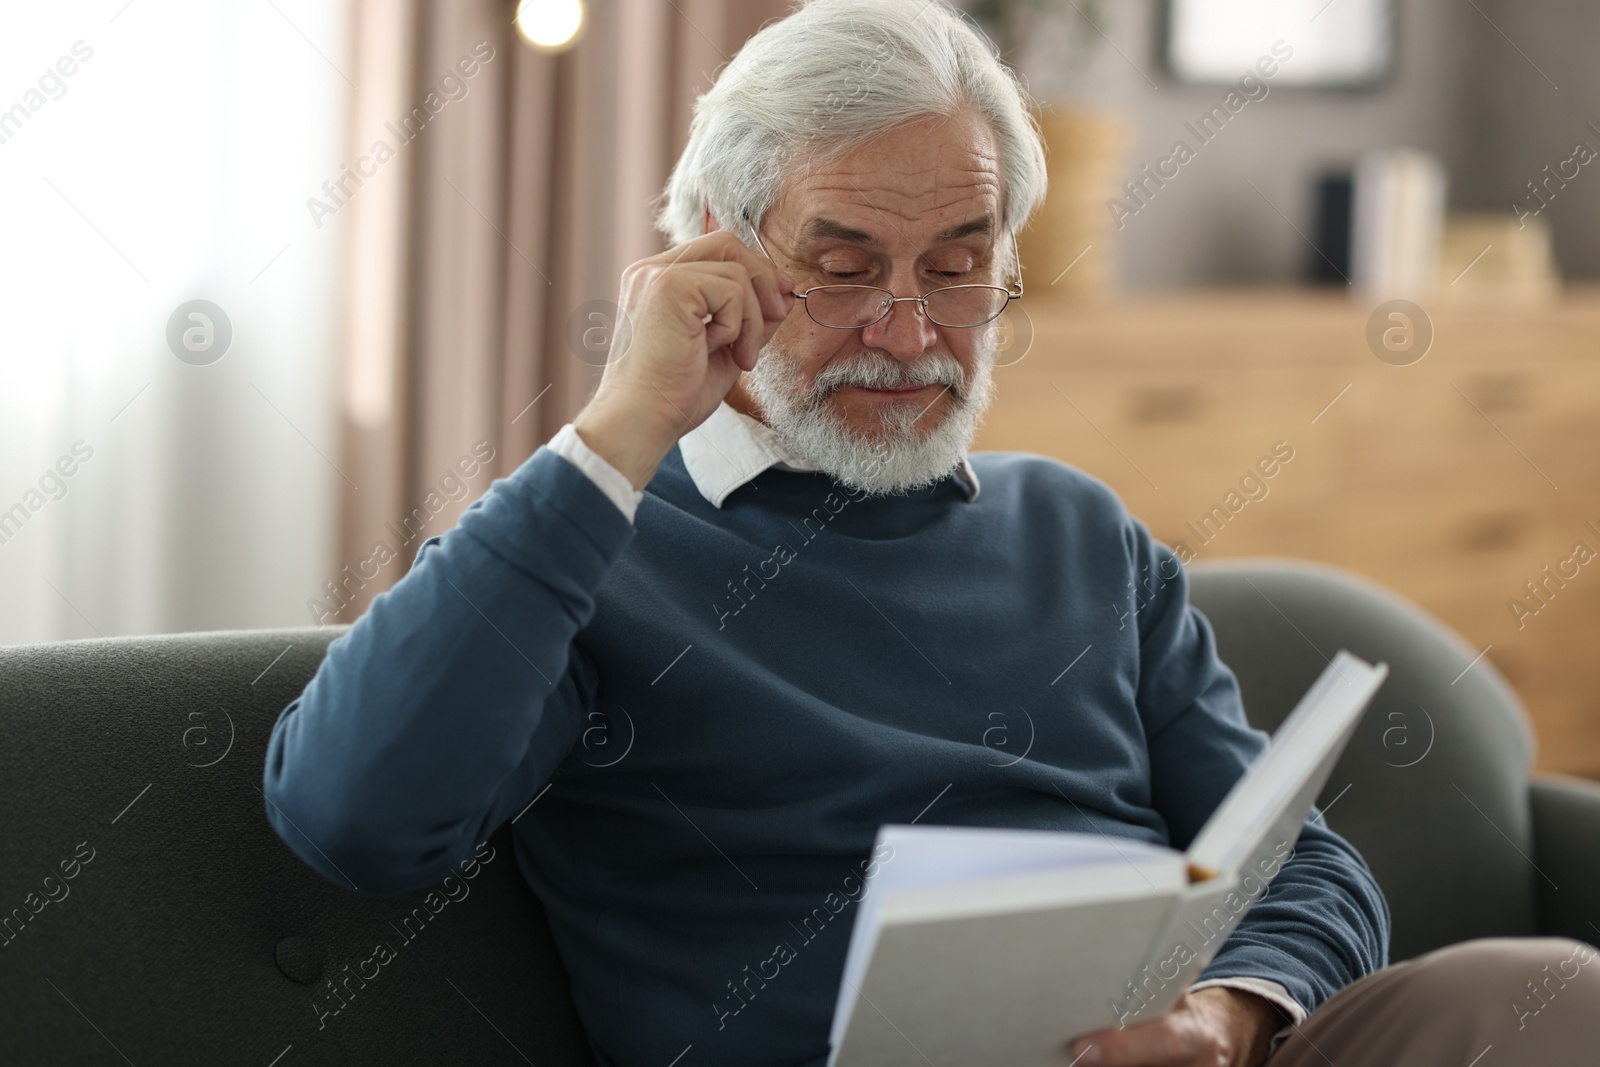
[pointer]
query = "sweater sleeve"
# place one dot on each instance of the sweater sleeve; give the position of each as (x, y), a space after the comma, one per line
(449, 703)
(1324, 922)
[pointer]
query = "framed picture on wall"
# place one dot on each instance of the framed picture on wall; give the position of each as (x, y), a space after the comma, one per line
(1330, 43)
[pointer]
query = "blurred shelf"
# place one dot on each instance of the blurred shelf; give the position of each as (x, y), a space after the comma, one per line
(1453, 480)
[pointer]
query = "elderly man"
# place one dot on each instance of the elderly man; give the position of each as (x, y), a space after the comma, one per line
(762, 568)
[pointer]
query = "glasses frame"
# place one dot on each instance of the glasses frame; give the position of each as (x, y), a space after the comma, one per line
(892, 300)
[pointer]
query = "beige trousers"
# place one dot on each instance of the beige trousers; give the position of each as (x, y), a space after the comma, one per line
(1493, 1002)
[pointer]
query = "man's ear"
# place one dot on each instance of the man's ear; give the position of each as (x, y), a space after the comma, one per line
(706, 223)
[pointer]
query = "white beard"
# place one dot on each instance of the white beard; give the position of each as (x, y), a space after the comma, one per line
(898, 458)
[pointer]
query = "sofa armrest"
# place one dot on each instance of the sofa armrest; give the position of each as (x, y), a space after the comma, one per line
(1566, 839)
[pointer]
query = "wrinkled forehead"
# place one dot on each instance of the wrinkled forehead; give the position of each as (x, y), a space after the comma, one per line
(924, 183)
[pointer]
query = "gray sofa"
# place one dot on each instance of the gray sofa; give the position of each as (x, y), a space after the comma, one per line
(152, 916)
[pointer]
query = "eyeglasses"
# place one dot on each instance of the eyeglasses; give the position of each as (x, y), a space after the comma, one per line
(852, 307)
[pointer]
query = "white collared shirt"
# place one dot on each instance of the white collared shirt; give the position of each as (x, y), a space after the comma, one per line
(726, 451)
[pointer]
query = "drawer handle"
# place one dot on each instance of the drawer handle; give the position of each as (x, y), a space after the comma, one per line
(1166, 403)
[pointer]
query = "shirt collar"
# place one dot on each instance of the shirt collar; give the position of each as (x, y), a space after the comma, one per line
(730, 448)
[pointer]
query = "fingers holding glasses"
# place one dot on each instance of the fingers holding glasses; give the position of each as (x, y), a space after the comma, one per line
(698, 314)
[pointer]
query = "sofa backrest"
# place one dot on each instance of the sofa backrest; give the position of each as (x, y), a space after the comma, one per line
(148, 906)
(1433, 787)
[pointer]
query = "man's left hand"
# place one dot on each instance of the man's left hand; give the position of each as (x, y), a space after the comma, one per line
(1215, 1027)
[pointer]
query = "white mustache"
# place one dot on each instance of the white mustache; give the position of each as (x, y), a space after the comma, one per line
(876, 371)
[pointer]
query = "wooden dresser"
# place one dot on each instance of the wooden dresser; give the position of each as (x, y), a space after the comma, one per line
(1453, 480)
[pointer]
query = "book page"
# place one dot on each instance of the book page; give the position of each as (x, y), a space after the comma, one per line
(928, 857)
(1273, 797)
(1009, 988)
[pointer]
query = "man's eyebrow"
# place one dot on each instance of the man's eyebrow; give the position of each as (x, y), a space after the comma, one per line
(820, 228)
(982, 224)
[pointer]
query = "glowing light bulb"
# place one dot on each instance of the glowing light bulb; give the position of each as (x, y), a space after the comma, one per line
(550, 25)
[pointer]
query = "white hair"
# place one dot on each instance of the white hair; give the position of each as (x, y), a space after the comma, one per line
(825, 80)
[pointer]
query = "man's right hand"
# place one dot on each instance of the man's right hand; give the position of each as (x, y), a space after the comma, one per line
(689, 321)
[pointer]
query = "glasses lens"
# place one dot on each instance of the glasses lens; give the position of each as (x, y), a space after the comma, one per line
(846, 306)
(966, 305)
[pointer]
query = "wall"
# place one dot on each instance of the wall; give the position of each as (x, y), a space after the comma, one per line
(1534, 101)
(1458, 89)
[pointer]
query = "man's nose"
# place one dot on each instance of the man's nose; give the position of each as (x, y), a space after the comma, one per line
(905, 333)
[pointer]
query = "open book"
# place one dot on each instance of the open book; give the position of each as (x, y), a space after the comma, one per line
(985, 946)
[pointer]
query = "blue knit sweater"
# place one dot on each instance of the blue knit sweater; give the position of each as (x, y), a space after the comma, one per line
(727, 703)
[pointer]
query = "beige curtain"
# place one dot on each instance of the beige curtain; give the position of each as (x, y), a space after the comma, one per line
(517, 191)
